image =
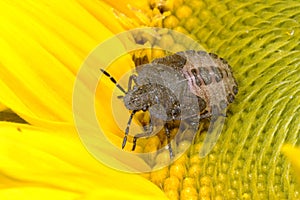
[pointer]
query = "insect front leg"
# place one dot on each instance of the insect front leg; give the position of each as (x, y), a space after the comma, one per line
(147, 133)
(127, 129)
(131, 79)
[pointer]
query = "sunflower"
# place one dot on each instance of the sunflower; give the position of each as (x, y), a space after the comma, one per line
(43, 45)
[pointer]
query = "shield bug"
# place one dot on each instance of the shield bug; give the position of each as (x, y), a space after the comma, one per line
(188, 85)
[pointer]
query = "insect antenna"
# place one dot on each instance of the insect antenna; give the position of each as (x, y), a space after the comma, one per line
(113, 80)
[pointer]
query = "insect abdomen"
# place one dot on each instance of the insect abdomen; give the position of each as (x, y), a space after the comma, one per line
(209, 78)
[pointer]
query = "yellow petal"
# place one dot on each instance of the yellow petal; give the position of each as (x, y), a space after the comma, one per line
(293, 155)
(42, 46)
(35, 163)
(131, 13)
(2, 107)
(126, 5)
(35, 193)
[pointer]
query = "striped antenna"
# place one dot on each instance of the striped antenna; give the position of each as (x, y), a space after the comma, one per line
(112, 80)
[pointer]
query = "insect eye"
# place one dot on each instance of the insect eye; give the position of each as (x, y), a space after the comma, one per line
(144, 108)
(176, 111)
(136, 101)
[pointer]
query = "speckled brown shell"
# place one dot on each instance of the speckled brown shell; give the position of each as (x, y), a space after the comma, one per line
(209, 78)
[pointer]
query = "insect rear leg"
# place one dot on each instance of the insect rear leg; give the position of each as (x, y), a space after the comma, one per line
(167, 126)
(212, 136)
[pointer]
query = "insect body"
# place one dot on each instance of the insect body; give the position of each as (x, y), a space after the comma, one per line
(187, 85)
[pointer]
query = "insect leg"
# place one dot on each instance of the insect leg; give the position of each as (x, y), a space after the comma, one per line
(127, 129)
(131, 78)
(212, 136)
(112, 80)
(147, 133)
(168, 140)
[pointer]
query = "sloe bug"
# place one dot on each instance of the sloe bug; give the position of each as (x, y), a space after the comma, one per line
(188, 85)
